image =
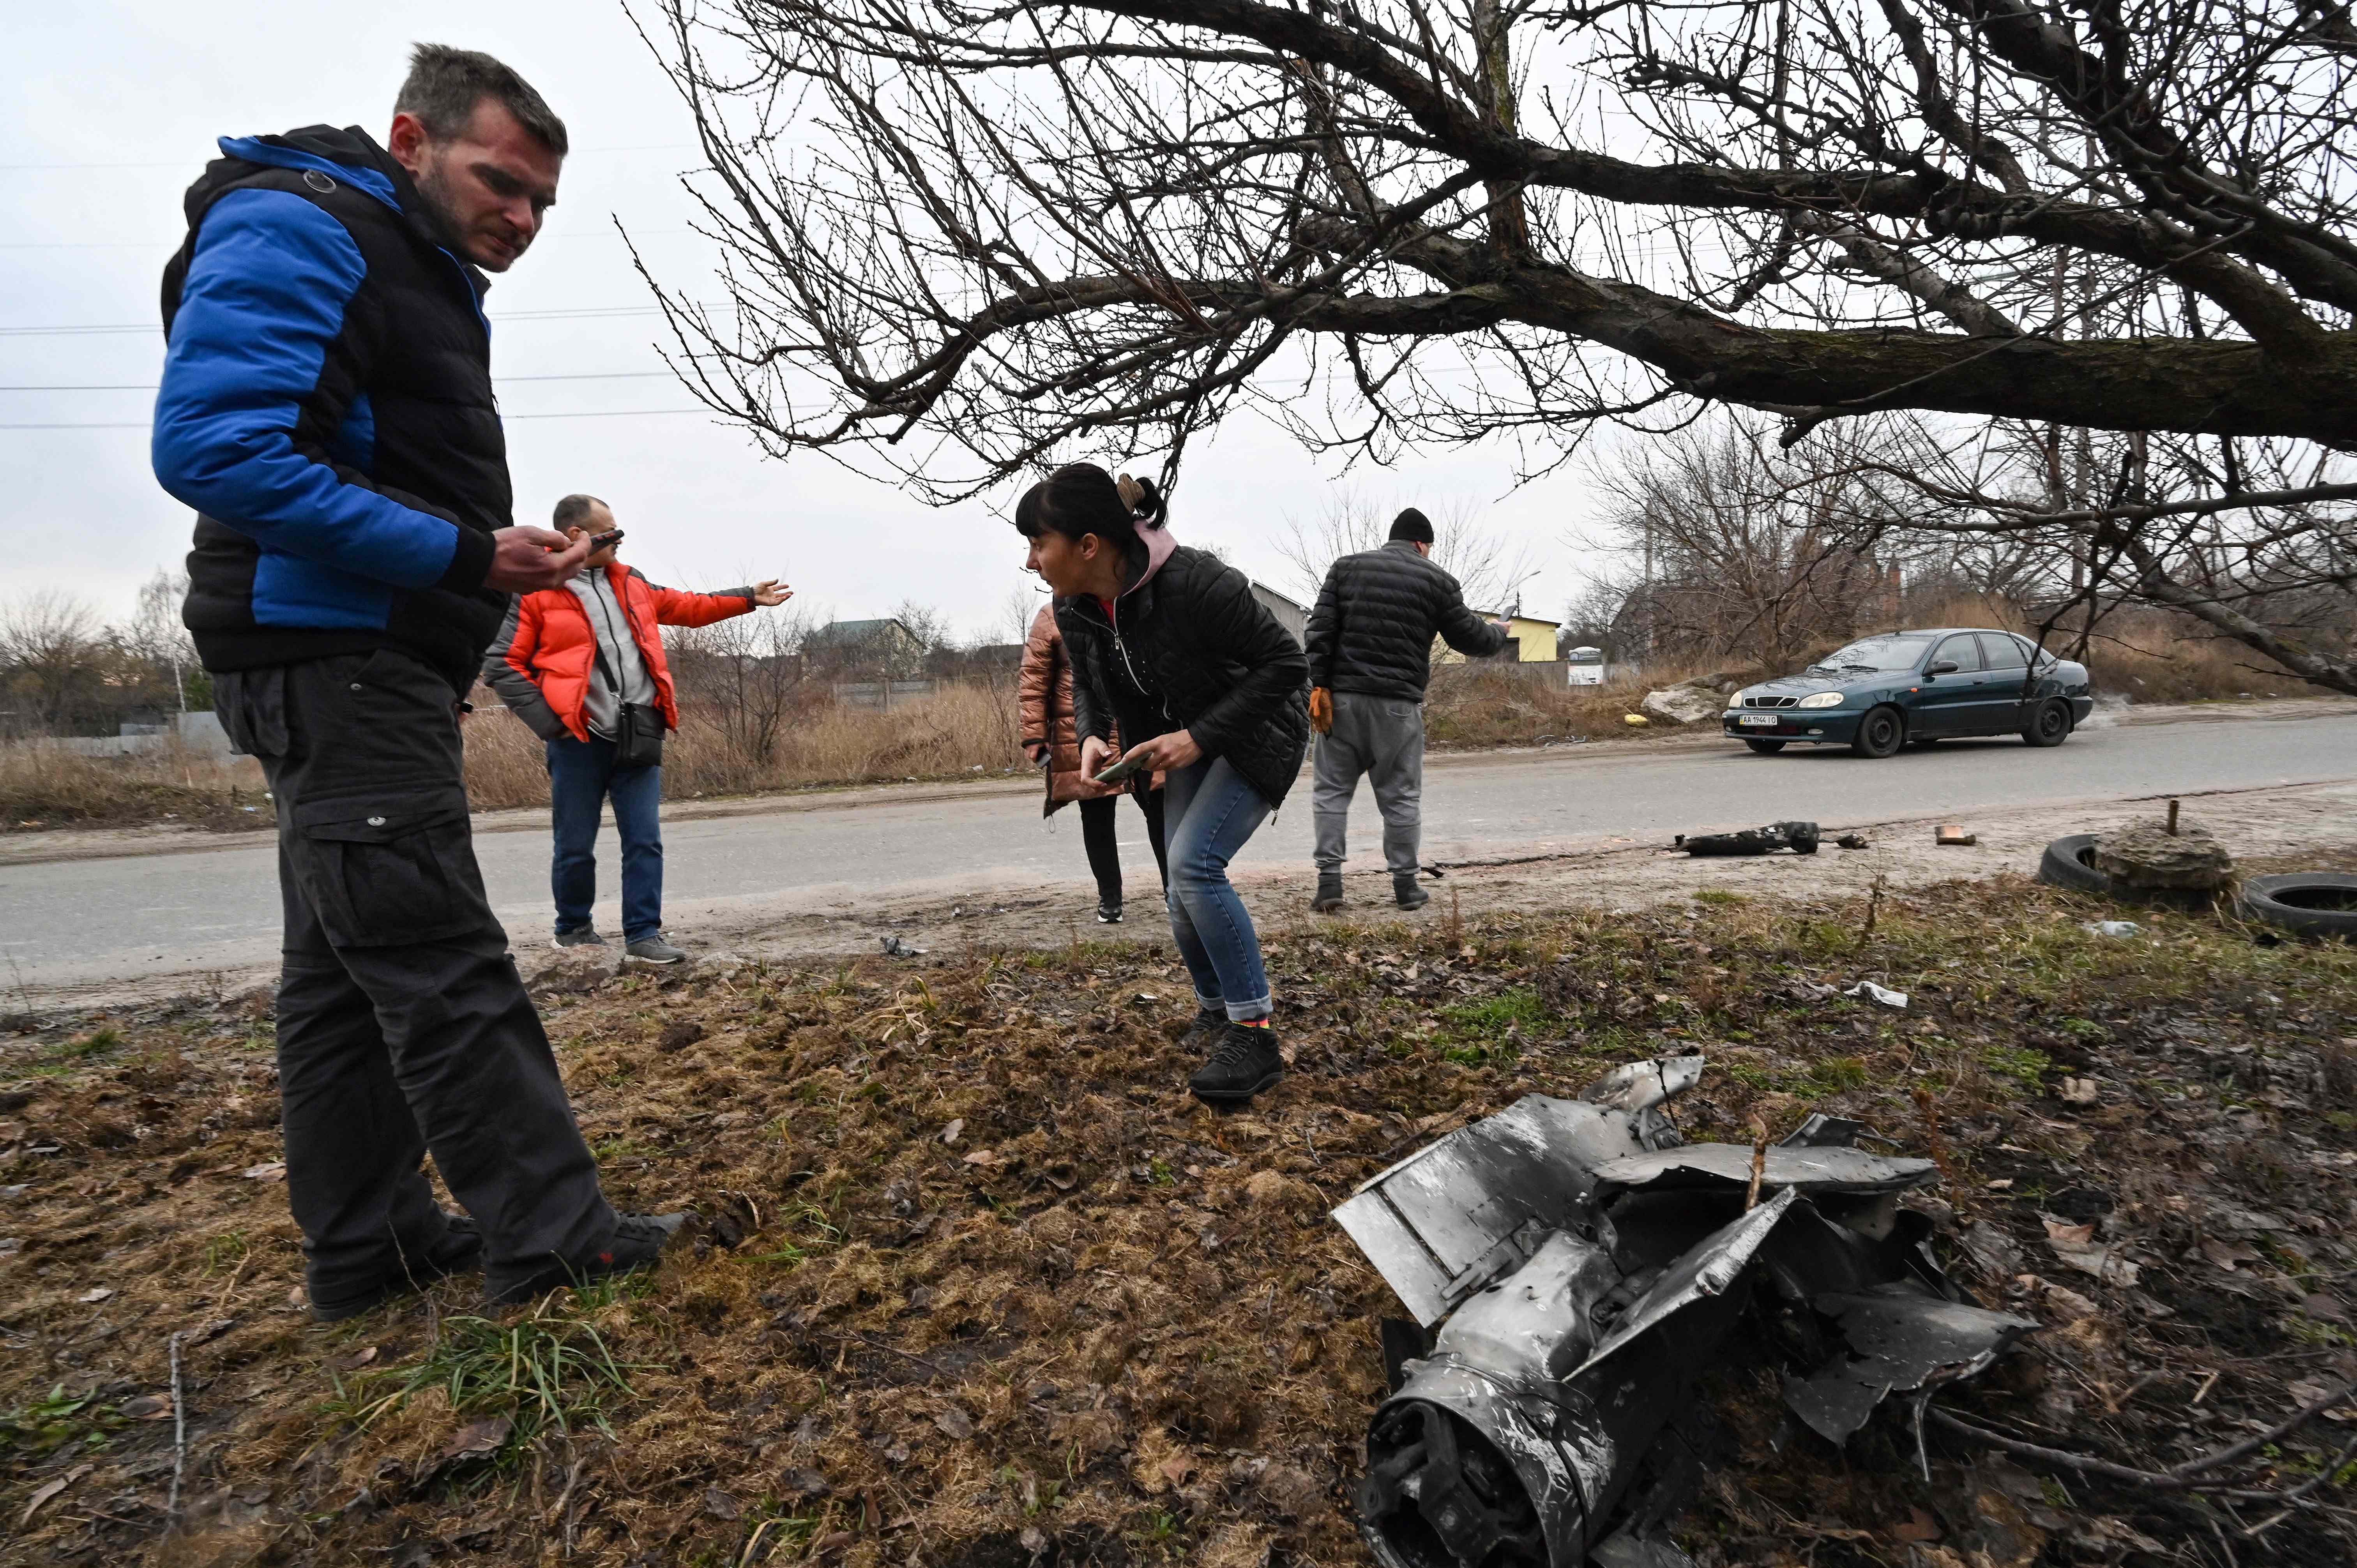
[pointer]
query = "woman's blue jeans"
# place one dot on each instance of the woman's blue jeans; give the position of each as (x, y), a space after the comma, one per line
(1208, 812)
(581, 778)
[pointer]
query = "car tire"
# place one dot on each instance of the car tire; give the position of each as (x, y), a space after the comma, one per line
(1764, 747)
(2308, 903)
(2068, 862)
(1879, 734)
(2050, 724)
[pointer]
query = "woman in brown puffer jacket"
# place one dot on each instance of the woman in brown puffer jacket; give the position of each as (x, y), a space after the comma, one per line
(1045, 695)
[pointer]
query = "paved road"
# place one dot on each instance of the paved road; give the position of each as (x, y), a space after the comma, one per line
(73, 922)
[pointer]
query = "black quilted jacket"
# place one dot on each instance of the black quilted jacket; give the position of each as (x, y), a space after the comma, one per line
(1195, 651)
(1376, 617)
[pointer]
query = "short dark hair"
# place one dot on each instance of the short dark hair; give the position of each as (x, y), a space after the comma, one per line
(1413, 526)
(573, 508)
(446, 84)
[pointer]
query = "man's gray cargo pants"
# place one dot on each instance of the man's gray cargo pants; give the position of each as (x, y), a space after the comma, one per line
(403, 1025)
(1381, 737)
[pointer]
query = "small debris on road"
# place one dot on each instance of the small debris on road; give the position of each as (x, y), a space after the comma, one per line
(1950, 835)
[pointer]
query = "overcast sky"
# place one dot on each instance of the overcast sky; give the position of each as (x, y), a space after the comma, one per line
(112, 111)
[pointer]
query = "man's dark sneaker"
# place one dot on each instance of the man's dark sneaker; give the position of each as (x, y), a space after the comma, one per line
(638, 1240)
(1408, 891)
(1201, 1034)
(1108, 914)
(1329, 897)
(583, 937)
(458, 1251)
(654, 950)
(1244, 1063)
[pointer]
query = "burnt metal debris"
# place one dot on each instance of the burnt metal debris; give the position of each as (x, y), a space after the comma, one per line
(1572, 1265)
(1801, 838)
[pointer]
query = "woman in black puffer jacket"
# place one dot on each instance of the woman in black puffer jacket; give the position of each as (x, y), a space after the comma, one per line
(1169, 644)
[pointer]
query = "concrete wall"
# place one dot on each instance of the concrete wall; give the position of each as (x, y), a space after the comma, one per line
(200, 733)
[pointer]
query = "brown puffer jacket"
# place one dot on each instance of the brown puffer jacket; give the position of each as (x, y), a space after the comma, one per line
(1045, 695)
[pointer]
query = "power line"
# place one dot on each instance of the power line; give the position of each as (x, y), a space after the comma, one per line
(578, 413)
(151, 386)
(173, 242)
(184, 163)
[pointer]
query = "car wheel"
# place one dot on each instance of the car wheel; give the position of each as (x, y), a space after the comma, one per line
(1764, 747)
(2049, 726)
(1879, 734)
(2310, 903)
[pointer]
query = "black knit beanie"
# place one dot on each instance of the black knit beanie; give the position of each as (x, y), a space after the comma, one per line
(1413, 526)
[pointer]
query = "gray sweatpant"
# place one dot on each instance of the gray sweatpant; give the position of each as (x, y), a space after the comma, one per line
(1381, 737)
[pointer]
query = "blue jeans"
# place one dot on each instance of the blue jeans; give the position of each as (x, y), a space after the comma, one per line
(1208, 812)
(581, 778)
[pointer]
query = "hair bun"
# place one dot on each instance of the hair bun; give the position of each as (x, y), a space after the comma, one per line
(1143, 501)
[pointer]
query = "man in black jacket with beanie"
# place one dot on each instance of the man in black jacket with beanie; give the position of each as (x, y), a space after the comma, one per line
(1369, 656)
(326, 409)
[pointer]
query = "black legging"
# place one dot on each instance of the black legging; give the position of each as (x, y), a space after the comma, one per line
(1104, 854)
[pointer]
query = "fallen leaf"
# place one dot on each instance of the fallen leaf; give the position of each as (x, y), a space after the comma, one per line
(950, 1133)
(212, 1331)
(147, 1407)
(2002, 1184)
(474, 1442)
(274, 1171)
(1916, 1526)
(2227, 1254)
(92, 1297)
(2081, 1091)
(982, 1157)
(358, 1359)
(2063, 1234)
(955, 1423)
(720, 1505)
(2076, 1245)
(1033, 1540)
(833, 1540)
(1177, 1467)
(51, 1490)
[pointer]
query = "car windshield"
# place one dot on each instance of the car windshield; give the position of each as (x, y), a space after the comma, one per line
(1900, 652)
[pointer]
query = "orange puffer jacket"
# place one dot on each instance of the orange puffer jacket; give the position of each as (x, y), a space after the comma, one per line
(541, 661)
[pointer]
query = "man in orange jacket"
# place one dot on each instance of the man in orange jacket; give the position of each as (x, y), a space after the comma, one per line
(583, 664)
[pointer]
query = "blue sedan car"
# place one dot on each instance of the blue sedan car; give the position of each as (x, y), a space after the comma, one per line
(1882, 693)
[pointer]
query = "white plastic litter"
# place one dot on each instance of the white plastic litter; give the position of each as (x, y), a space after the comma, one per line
(1874, 992)
(2113, 928)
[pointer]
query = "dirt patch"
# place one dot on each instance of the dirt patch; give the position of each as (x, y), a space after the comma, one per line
(978, 1285)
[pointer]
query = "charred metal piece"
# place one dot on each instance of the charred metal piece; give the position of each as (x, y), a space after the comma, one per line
(1578, 1264)
(1801, 838)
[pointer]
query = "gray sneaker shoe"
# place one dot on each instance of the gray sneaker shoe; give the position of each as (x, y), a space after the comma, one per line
(654, 950)
(587, 936)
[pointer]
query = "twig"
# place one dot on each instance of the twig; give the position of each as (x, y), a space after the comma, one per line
(1759, 1162)
(179, 1439)
(2251, 1445)
(2087, 1465)
(2292, 1497)
(1932, 1136)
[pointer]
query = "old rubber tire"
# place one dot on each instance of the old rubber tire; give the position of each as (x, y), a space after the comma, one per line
(2049, 726)
(2311, 903)
(1880, 734)
(2068, 862)
(1765, 747)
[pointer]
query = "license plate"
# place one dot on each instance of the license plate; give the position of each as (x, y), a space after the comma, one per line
(1762, 720)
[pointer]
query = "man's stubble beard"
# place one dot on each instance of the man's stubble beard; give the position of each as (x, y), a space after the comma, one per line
(434, 189)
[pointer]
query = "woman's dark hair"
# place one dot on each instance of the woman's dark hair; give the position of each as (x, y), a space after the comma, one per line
(1081, 499)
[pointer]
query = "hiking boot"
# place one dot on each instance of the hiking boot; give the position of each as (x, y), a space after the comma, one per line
(1108, 914)
(581, 937)
(637, 1242)
(1407, 891)
(654, 950)
(1329, 897)
(1244, 1063)
(1210, 1023)
(460, 1250)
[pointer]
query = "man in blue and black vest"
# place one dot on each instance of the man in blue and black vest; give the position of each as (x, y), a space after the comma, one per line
(326, 409)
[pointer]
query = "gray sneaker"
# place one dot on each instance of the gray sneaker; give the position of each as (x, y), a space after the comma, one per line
(654, 950)
(587, 936)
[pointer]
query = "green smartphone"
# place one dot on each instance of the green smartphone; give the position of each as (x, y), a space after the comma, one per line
(1120, 773)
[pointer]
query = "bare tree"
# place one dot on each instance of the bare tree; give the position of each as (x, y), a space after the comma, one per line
(1489, 565)
(965, 239)
(748, 674)
(55, 661)
(1738, 548)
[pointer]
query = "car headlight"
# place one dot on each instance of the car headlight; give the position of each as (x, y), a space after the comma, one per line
(1821, 700)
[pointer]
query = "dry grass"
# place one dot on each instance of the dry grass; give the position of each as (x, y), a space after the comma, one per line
(1473, 705)
(981, 1289)
(42, 785)
(964, 731)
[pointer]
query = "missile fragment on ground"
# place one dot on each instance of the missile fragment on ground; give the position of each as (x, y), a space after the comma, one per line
(1572, 1265)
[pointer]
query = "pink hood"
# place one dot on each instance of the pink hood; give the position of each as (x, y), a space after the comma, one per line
(1159, 548)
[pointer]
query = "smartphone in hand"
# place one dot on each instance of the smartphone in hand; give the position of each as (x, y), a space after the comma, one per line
(1120, 773)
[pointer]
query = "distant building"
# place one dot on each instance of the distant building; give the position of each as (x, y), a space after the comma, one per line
(1293, 618)
(1529, 640)
(885, 644)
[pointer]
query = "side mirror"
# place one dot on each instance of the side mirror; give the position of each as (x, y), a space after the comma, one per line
(1941, 667)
